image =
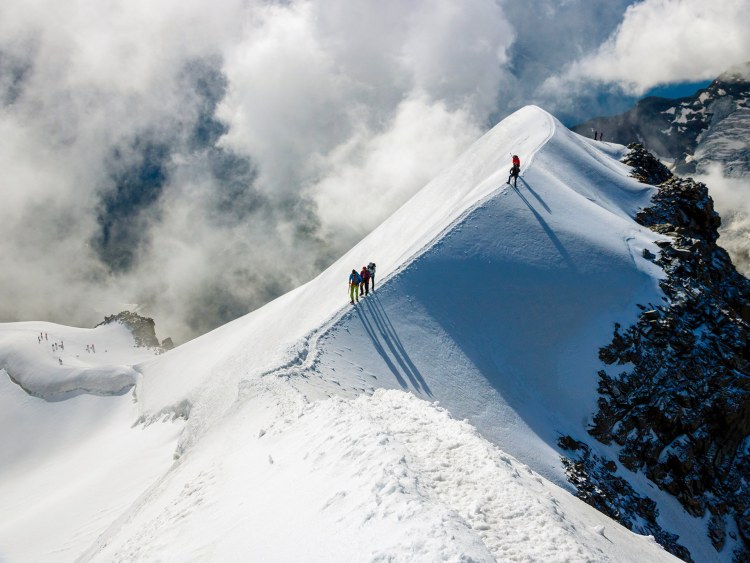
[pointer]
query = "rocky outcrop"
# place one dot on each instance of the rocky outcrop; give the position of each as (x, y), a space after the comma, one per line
(142, 328)
(646, 168)
(676, 395)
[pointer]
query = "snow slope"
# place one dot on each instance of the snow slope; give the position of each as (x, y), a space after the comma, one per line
(321, 431)
(70, 458)
(386, 477)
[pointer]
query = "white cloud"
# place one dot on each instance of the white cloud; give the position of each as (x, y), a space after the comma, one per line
(378, 172)
(732, 201)
(670, 41)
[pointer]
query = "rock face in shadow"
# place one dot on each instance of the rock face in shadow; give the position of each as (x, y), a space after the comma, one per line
(142, 328)
(675, 396)
(597, 484)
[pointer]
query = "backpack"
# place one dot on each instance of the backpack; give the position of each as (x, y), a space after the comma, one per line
(516, 160)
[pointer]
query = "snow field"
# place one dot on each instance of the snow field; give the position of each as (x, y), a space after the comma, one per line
(69, 468)
(69, 369)
(208, 369)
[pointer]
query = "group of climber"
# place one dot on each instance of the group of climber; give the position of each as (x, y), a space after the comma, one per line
(359, 282)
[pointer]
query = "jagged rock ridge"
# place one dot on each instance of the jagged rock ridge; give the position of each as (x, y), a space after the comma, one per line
(680, 410)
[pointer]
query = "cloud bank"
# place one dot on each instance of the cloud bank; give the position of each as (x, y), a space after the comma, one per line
(732, 201)
(199, 158)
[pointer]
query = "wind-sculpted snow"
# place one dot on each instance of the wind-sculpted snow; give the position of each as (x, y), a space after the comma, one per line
(491, 299)
(208, 369)
(386, 477)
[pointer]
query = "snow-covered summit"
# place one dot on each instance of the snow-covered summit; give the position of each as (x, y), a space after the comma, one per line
(318, 430)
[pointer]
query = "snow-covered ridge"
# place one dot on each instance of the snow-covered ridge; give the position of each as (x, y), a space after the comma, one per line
(696, 132)
(314, 419)
(279, 333)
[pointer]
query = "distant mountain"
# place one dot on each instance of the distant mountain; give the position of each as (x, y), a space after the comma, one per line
(711, 126)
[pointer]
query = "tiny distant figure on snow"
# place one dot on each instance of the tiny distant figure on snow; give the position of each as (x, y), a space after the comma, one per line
(93, 349)
(45, 336)
(59, 360)
(87, 348)
(515, 170)
(354, 281)
(371, 270)
(601, 135)
(364, 288)
(62, 346)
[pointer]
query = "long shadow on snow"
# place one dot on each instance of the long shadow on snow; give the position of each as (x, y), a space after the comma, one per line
(384, 330)
(536, 195)
(550, 233)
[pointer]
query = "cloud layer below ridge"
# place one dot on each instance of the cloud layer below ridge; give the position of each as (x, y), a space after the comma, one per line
(200, 158)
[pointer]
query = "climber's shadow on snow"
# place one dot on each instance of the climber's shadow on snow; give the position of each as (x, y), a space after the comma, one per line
(547, 229)
(387, 343)
(536, 195)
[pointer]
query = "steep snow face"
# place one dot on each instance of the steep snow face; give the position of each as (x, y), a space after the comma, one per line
(695, 132)
(502, 295)
(727, 144)
(501, 319)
